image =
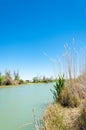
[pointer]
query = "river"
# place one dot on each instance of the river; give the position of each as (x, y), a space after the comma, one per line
(18, 103)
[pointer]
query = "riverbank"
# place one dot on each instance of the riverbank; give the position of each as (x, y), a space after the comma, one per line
(69, 111)
(25, 84)
(58, 117)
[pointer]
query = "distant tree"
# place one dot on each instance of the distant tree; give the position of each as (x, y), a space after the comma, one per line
(0, 74)
(8, 74)
(8, 79)
(16, 75)
(35, 79)
(44, 78)
(0, 80)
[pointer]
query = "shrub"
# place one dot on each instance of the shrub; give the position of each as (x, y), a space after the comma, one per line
(21, 81)
(58, 87)
(1, 80)
(8, 81)
(68, 98)
(82, 118)
(54, 118)
(8, 74)
(36, 80)
(16, 75)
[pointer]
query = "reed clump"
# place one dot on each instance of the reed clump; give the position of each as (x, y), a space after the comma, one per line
(69, 110)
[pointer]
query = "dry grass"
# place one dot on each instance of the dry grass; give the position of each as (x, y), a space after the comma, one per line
(70, 118)
(82, 118)
(68, 98)
(73, 92)
(57, 117)
(73, 116)
(71, 113)
(54, 118)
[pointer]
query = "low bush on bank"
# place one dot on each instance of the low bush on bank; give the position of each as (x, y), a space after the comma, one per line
(8, 79)
(73, 93)
(53, 118)
(66, 95)
(68, 98)
(21, 81)
(2, 79)
(82, 118)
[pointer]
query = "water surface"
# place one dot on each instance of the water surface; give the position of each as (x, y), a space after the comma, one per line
(17, 103)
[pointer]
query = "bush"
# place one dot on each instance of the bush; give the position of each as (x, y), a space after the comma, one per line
(36, 80)
(82, 118)
(21, 81)
(8, 81)
(54, 118)
(2, 78)
(67, 98)
(58, 88)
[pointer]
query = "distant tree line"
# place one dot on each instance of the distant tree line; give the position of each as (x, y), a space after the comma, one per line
(8, 79)
(43, 79)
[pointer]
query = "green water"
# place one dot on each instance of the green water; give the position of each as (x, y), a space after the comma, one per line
(17, 103)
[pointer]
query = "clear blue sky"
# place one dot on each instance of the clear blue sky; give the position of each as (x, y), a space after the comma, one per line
(28, 28)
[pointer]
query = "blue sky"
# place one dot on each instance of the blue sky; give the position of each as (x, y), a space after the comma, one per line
(29, 28)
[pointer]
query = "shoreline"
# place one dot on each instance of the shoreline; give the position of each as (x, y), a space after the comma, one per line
(21, 85)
